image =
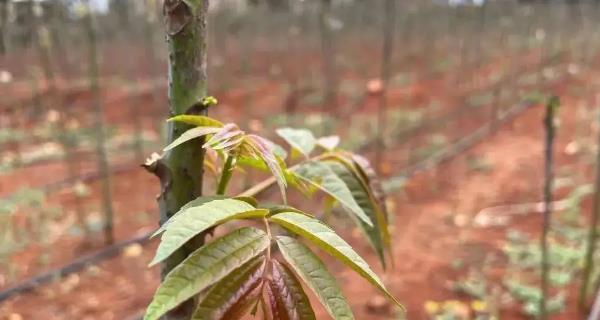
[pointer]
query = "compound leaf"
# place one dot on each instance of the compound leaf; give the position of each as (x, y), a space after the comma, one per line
(205, 267)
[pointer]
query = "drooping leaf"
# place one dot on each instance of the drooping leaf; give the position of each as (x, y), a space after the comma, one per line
(322, 177)
(263, 148)
(290, 299)
(300, 139)
(316, 276)
(195, 220)
(329, 143)
(197, 120)
(379, 231)
(205, 267)
(234, 295)
(192, 134)
(372, 179)
(326, 239)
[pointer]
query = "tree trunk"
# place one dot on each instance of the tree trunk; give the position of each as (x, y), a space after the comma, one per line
(4, 36)
(180, 170)
(389, 27)
(55, 100)
(551, 107)
(327, 47)
(592, 238)
(102, 157)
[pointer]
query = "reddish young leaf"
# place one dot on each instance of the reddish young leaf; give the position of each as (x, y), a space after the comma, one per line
(231, 297)
(291, 300)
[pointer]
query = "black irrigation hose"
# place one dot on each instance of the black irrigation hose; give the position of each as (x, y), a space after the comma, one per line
(74, 266)
(465, 142)
(438, 120)
(88, 177)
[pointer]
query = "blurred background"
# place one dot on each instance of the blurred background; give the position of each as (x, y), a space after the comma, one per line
(446, 96)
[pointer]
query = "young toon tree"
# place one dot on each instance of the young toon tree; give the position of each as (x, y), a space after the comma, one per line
(239, 273)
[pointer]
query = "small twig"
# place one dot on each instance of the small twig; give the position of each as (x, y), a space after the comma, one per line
(225, 174)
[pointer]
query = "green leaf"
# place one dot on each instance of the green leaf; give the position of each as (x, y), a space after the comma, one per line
(256, 163)
(290, 300)
(300, 139)
(314, 273)
(322, 177)
(275, 209)
(233, 296)
(249, 200)
(326, 239)
(198, 121)
(368, 173)
(190, 135)
(195, 220)
(379, 231)
(205, 267)
(194, 203)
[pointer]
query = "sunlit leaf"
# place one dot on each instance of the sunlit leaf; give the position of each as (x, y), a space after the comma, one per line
(197, 120)
(205, 267)
(300, 139)
(314, 273)
(379, 231)
(192, 134)
(326, 239)
(234, 295)
(195, 220)
(194, 203)
(329, 143)
(322, 177)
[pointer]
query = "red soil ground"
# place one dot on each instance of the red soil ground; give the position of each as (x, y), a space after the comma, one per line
(425, 242)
